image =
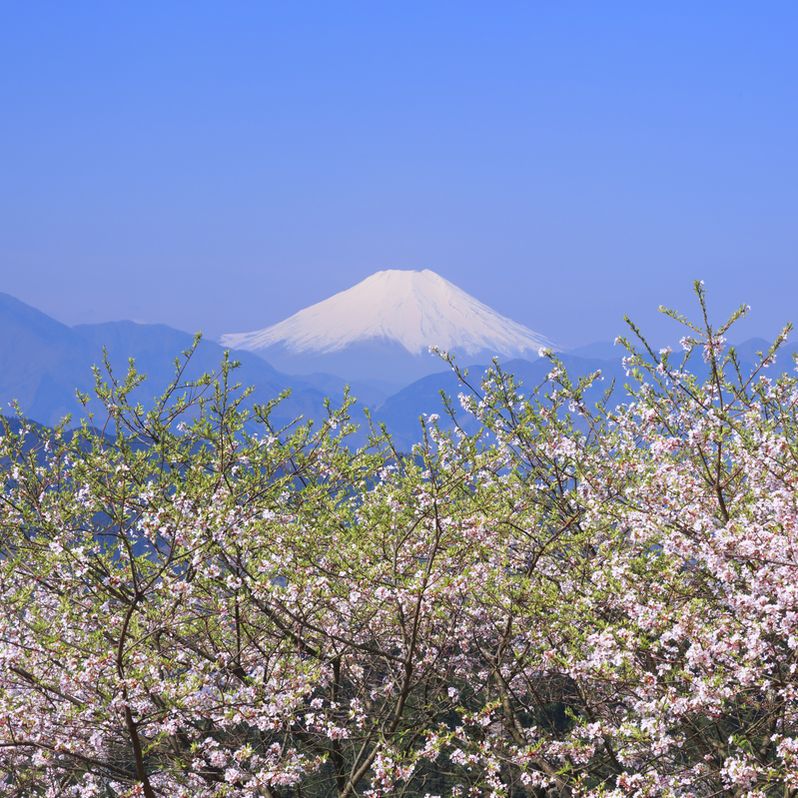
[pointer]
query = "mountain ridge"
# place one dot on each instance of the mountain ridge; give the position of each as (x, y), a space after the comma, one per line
(43, 362)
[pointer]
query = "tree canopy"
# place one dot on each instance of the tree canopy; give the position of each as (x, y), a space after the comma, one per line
(573, 601)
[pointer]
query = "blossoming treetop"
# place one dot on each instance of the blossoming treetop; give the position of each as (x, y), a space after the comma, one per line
(575, 600)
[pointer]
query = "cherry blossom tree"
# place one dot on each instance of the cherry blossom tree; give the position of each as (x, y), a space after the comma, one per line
(575, 600)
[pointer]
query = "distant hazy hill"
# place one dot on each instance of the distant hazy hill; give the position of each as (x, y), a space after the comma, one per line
(42, 362)
(401, 411)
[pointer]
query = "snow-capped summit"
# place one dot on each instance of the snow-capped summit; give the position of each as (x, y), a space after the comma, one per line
(394, 309)
(416, 309)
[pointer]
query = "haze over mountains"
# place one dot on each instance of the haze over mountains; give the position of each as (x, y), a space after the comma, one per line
(373, 336)
(43, 362)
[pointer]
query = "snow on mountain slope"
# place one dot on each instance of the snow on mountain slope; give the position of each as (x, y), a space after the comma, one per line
(414, 309)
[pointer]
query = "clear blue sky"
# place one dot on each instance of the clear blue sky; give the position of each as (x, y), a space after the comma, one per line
(220, 165)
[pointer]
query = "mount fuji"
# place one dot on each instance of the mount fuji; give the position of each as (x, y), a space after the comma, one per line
(382, 328)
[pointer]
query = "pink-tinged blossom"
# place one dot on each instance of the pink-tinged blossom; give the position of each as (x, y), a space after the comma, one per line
(586, 603)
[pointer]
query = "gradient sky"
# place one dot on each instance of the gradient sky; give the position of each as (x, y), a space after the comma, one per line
(218, 166)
